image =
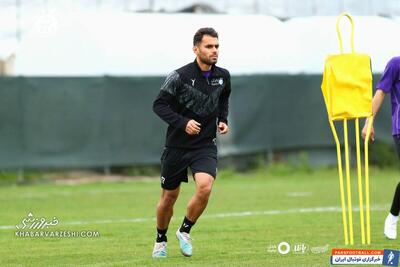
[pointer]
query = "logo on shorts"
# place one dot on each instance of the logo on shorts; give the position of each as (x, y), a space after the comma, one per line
(162, 179)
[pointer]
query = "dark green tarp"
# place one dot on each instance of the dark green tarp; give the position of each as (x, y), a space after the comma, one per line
(104, 121)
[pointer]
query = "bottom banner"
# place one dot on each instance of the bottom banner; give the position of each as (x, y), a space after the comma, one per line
(384, 257)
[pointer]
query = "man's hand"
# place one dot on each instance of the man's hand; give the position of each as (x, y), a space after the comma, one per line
(192, 127)
(222, 128)
(364, 132)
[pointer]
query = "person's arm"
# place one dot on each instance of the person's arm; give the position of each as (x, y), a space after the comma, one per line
(384, 86)
(162, 104)
(223, 107)
(376, 105)
(223, 104)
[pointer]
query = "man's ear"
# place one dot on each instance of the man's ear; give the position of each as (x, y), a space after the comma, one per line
(195, 49)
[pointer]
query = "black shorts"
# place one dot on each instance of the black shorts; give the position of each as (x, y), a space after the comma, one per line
(175, 161)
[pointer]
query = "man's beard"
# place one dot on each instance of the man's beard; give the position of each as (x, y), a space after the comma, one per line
(207, 60)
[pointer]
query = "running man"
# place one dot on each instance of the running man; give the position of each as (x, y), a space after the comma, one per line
(389, 84)
(194, 102)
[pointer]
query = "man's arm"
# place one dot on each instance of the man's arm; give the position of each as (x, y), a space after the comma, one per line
(161, 107)
(223, 107)
(162, 104)
(376, 105)
(223, 104)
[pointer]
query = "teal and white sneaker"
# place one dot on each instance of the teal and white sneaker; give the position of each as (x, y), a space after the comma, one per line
(185, 243)
(160, 250)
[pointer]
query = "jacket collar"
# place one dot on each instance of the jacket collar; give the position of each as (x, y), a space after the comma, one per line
(197, 67)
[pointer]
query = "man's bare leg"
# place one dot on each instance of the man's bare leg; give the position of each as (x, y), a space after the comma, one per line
(195, 208)
(198, 203)
(165, 207)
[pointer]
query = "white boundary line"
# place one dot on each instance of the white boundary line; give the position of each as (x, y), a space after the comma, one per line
(220, 215)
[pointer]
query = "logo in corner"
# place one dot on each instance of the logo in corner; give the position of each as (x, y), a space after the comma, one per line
(272, 248)
(300, 248)
(319, 250)
(284, 248)
(390, 257)
(31, 222)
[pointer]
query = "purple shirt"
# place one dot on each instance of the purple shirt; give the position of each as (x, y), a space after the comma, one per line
(206, 73)
(390, 83)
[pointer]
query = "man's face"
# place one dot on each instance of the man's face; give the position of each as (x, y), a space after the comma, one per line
(207, 50)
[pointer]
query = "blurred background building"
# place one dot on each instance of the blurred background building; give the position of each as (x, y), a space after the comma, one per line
(80, 76)
(112, 22)
(97, 21)
(278, 8)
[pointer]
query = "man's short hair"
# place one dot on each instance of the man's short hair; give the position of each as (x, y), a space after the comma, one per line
(198, 36)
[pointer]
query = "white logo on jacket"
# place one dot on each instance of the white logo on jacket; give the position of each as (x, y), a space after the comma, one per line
(217, 81)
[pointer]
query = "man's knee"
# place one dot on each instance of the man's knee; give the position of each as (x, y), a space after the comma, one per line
(204, 191)
(168, 198)
(204, 185)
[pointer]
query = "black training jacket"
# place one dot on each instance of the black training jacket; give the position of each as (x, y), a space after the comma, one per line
(186, 94)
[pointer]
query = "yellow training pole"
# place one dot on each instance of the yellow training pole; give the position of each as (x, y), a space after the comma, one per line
(370, 122)
(349, 206)
(360, 187)
(341, 187)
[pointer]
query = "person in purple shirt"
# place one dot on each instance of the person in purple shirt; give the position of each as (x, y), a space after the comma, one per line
(389, 84)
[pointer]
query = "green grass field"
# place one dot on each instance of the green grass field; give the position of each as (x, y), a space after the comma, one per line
(247, 215)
